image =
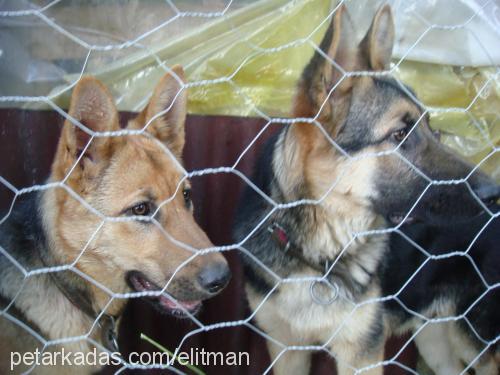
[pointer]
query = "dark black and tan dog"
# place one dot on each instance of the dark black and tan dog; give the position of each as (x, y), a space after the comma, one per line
(120, 177)
(451, 288)
(364, 164)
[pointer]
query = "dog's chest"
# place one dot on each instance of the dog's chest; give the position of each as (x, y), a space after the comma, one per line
(349, 316)
(319, 323)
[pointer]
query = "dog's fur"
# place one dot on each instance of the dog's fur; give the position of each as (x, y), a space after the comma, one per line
(447, 287)
(367, 116)
(126, 176)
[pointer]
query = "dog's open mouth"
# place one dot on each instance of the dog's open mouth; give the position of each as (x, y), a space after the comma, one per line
(140, 283)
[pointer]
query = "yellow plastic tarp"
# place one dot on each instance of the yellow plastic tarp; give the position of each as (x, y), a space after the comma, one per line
(247, 63)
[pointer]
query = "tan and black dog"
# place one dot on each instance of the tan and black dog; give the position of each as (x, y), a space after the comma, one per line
(135, 231)
(450, 289)
(361, 166)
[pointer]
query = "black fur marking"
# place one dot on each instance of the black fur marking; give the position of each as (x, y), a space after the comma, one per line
(365, 111)
(376, 336)
(453, 280)
(24, 238)
(251, 210)
(22, 234)
(406, 93)
(260, 284)
(400, 186)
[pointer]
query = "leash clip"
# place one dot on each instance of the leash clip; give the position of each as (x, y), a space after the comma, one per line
(279, 235)
(334, 287)
(319, 300)
(108, 334)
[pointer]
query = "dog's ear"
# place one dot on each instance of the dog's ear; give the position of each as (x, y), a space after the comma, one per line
(324, 73)
(379, 40)
(315, 99)
(167, 111)
(92, 105)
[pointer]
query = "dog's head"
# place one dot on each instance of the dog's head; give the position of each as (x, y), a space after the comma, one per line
(146, 237)
(370, 114)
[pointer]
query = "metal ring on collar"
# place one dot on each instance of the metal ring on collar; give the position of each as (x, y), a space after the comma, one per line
(314, 296)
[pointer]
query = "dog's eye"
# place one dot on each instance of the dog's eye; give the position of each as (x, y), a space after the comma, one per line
(141, 209)
(399, 135)
(186, 193)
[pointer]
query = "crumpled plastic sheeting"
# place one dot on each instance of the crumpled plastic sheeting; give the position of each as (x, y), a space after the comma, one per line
(250, 58)
(467, 104)
(447, 32)
(247, 63)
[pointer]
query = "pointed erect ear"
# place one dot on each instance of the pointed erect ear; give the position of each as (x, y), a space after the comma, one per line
(168, 107)
(321, 75)
(379, 40)
(93, 106)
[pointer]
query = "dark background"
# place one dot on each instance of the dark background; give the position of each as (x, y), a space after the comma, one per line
(27, 144)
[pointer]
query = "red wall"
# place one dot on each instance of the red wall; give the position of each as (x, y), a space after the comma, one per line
(27, 145)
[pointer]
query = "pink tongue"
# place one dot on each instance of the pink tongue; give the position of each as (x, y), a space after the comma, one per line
(170, 304)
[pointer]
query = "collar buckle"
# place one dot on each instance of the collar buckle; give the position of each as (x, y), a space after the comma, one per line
(108, 333)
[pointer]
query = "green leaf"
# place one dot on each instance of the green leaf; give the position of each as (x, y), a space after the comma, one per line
(195, 369)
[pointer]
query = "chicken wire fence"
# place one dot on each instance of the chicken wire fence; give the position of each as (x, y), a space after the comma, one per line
(53, 84)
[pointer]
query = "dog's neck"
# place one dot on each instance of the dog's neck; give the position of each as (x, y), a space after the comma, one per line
(337, 228)
(329, 229)
(52, 315)
(346, 225)
(335, 219)
(40, 299)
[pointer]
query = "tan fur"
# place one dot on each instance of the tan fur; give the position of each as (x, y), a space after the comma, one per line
(437, 341)
(293, 320)
(307, 165)
(60, 320)
(114, 174)
(443, 346)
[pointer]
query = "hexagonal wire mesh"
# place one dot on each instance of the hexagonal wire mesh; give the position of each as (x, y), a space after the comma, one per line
(96, 55)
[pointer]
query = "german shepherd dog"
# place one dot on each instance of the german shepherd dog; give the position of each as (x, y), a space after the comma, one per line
(447, 287)
(134, 231)
(359, 157)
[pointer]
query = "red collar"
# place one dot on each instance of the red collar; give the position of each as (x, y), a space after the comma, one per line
(279, 235)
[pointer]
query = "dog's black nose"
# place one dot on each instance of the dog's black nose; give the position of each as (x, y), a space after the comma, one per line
(214, 277)
(489, 194)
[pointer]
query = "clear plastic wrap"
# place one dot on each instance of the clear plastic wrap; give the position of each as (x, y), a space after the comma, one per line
(243, 58)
